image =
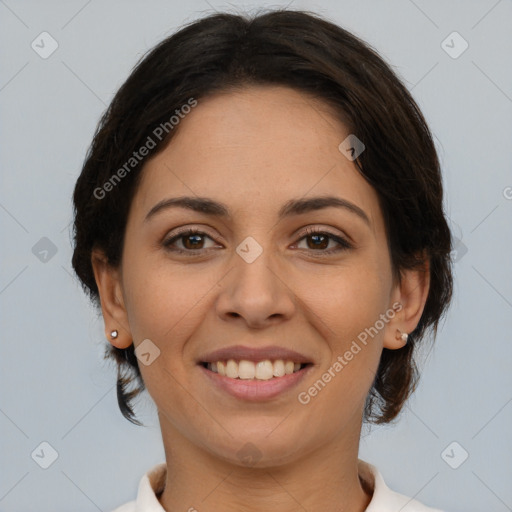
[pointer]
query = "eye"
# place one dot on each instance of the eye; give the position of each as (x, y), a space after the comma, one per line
(318, 240)
(191, 240)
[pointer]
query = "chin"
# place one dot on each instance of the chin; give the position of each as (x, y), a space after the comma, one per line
(260, 448)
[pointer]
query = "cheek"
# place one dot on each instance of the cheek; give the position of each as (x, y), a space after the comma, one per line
(161, 299)
(345, 300)
(166, 307)
(347, 304)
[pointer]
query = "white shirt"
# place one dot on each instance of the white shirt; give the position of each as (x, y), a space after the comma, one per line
(383, 500)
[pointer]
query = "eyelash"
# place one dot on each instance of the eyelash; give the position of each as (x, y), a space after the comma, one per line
(344, 244)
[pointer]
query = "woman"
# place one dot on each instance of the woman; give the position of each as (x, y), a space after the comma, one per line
(260, 219)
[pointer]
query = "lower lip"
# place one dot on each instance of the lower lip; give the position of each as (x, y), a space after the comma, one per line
(256, 390)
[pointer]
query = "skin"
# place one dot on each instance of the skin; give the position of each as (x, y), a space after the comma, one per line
(253, 150)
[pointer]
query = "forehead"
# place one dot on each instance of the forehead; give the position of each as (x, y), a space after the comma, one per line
(257, 146)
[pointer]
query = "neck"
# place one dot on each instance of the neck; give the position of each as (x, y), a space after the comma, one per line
(325, 480)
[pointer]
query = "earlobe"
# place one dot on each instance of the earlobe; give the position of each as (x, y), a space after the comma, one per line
(402, 336)
(411, 293)
(118, 340)
(113, 309)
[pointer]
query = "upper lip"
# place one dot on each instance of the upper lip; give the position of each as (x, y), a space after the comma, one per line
(239, 352)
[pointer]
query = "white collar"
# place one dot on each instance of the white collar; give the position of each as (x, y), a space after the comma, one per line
(383, 499)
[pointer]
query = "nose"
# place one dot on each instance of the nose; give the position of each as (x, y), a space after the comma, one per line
(256, 293)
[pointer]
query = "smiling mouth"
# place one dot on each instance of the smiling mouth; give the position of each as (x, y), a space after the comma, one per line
(250, 370)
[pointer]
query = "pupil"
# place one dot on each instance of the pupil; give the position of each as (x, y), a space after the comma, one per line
(317, 237)
(197, 238)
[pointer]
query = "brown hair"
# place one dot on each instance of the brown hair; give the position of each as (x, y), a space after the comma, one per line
(314, 56)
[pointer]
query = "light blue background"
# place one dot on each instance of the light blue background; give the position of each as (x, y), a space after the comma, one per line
(55, 386)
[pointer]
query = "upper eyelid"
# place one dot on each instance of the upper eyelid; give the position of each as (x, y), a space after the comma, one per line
(186, 231)
(302, 232)
(313, 230)
(308, 231)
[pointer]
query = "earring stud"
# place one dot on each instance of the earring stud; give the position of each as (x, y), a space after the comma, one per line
(114, 334)
(401, 335)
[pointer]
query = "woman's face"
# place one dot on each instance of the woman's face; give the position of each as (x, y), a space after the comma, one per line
(254, 277)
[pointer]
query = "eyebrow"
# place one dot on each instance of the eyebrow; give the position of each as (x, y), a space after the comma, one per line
(293, 207)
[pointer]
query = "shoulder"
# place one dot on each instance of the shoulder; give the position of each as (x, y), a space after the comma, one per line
(127, 507)
(150, 486)
(384, 499)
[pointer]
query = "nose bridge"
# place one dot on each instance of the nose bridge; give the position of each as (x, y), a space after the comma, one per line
(254, 290)
(254, 266)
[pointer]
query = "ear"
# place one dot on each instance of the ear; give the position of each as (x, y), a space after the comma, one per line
(408, 300)
(111, 297)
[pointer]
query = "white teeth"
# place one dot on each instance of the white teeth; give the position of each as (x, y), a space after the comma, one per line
(232, 369)
(248, 370)
(279, 368)
(264, 370)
